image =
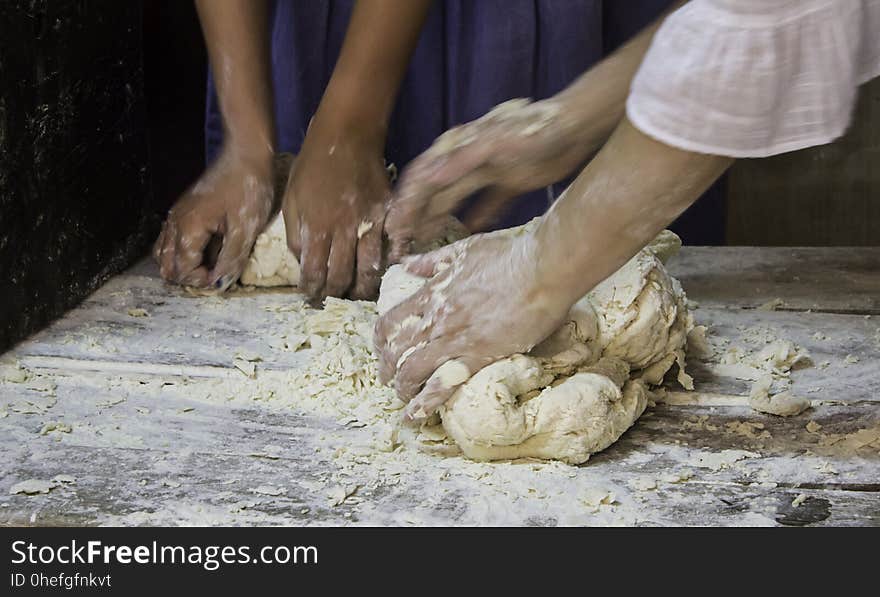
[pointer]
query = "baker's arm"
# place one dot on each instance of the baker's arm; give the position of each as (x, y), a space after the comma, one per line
(232, 201)
(514, 149)
(334, 204)
(497, 294)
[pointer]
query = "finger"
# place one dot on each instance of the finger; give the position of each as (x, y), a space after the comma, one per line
(369, 260)
(189, 251)
(442, 385)
(315, 253)
(488, 209)
(212, 251)
(292, 227)
(231, 259)
(396, 332)
(430, 264)
(166, 253)
(157, 245)
(422, 362)
(410, 200)
(457, 165)
(340, 264)
(429, 224)
(447, 199)
(402, 213)
(198, 278)
(380, 344)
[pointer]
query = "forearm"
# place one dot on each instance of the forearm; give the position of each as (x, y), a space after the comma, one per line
(236, 35)
(631, 190)
(380, 40)
(596, 101)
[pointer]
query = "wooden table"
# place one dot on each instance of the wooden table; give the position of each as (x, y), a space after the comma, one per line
(180, 460)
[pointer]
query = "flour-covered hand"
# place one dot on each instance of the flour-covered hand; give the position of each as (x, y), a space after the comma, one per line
(517, 147)
(209, 232)
(334, 209)
(484, 300)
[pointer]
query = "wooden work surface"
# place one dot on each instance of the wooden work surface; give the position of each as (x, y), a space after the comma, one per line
(137, 459)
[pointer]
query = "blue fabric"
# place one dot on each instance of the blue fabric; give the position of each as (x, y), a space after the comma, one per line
(472, 55)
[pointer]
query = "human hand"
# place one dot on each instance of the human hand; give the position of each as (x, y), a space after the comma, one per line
(334, 208)
(517, 147)
(484, 299)
(209, 232)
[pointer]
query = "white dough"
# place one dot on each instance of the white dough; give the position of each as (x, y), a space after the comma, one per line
(271, 262)
(580, 389)
(492, 417)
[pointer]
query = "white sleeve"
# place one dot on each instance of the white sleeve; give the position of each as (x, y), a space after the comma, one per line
(752, 78)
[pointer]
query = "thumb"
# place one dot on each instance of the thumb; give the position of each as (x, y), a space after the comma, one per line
(430, 264)
(441, 386)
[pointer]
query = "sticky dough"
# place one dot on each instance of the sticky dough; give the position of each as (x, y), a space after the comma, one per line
(579, 390)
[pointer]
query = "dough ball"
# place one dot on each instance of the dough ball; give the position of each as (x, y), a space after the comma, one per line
(495, 416)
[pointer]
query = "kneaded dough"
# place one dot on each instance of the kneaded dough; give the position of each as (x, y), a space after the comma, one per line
(580, 389)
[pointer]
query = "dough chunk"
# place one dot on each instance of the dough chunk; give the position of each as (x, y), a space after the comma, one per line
(494, 416)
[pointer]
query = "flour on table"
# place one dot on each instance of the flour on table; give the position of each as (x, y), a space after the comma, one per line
(578, 391)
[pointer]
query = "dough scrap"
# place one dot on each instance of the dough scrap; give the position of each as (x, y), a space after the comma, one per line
(581, 388)
(783, 404)
(33, 487)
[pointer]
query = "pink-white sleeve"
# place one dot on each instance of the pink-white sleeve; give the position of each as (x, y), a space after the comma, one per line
(752, 78)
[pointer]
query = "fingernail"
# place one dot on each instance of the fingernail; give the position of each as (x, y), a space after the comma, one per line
(415, 412)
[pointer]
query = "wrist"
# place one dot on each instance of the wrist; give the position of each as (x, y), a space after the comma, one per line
(552, 287)
(331, 128)
(254, 146)
(563, 265)
(354, 109)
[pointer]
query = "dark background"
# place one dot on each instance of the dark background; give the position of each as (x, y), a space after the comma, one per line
(101, 114)
(74, 178)
(175, 64)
